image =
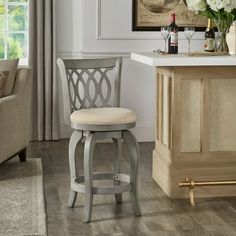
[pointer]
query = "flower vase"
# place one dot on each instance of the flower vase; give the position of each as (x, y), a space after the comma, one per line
(223, 28)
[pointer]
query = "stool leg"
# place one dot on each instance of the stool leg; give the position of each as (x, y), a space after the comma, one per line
(74, 140)
(88, 175)
(132, 144)
(116, 167)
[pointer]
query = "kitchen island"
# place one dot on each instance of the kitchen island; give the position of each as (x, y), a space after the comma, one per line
(195, 122)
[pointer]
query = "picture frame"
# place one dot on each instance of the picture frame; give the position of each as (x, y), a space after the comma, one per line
(146, 16)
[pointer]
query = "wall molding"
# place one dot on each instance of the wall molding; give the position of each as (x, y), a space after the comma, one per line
(83, 53)
(135, 35)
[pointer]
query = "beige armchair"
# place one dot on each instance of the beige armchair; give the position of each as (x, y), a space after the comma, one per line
(15, 118)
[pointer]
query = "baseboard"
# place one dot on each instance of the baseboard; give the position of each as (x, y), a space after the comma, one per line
(143, 132)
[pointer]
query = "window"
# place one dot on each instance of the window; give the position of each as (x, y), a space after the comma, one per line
(14, 25)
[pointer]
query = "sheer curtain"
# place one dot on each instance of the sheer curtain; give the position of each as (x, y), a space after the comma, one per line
(42, 60)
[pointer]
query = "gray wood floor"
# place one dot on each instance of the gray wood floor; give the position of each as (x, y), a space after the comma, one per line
(161, 216)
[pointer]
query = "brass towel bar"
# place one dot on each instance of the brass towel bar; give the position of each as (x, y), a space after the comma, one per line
(191, 184)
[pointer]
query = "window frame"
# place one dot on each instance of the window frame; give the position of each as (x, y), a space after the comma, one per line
(6, 32)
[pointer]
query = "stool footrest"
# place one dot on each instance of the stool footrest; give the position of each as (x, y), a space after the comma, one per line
(105, 176)
(112, 190)
(76, 183)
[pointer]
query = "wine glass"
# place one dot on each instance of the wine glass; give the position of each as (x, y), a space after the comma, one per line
(165, 33)
(189, 32)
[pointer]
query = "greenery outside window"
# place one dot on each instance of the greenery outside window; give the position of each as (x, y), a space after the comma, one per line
(14, 27)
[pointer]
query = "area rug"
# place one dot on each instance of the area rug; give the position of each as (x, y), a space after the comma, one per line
(22, 208)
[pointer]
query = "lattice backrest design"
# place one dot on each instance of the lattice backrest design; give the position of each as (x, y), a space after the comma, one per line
(86, 87)
(88, 83)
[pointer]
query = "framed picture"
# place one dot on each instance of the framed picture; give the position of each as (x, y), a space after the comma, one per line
(150, 15)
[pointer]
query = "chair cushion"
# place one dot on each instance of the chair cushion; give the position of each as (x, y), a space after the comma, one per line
(11, 66)
(3, 80)
(103, 116)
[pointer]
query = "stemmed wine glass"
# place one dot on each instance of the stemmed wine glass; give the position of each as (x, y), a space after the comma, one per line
(165, 33)
(189, 32)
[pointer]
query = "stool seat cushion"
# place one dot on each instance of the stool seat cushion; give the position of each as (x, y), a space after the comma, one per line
(103, 116)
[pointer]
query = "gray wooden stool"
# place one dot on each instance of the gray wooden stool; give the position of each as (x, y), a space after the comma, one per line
(87, 91)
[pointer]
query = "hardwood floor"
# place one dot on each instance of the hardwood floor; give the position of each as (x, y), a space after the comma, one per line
(161, 216)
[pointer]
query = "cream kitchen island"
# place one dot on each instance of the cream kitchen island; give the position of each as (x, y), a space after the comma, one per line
(195, 122)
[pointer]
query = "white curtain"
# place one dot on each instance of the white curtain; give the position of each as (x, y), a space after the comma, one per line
(42, 59)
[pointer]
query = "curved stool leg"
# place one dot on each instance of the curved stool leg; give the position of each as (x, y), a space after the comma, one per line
(88, 175)
(132, 144)
(74, 140)
(116, 167)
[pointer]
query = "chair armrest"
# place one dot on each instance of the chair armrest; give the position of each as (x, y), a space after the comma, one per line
(15, 116)
(9, 108)
(10, 112)
(23, 80)
(13, 132)
(7, 99)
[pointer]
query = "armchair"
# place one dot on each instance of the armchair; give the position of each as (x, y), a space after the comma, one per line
(15, 118)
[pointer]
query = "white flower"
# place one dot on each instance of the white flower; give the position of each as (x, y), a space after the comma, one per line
(228, 8)
(215, 5)
(196, 5)
(227, 5)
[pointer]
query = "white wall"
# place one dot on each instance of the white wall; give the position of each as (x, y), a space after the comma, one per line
(103, 27)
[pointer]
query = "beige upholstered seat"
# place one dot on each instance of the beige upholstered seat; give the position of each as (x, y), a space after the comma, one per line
(103, 116)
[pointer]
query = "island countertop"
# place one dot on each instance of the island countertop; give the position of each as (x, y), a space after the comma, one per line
(154, 59)
(195, 122)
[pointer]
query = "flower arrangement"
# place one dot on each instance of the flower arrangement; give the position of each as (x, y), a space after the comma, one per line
(214, 9)
(223, 12)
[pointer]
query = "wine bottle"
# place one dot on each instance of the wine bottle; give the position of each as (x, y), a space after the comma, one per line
(173, 39)
(209, 37)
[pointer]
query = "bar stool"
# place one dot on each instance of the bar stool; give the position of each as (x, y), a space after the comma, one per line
(87, 91)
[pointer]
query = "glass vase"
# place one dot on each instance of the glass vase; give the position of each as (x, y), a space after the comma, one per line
(223, 26)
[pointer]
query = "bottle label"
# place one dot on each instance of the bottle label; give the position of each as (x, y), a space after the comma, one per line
(174, 39)
(210, 44)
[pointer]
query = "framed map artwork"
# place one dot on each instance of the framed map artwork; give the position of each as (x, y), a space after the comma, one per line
(150, 15)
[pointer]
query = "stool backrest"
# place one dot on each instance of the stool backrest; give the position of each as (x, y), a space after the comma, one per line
(87, 83)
